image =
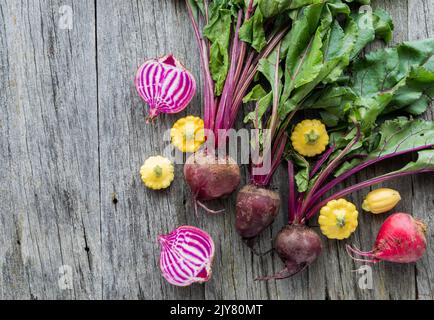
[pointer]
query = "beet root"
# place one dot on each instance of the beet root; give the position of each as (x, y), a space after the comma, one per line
(401, 239)
(211, 178)
(256, 210)
(298, 246)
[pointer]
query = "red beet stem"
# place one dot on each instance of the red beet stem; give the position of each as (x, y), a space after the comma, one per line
(329, 170)
(243, 48)
(291, 205)
(245, 81)
(222, 117)
(209, 99)
(362, 185)
(321, 192)
(321, 161)
(277, 155)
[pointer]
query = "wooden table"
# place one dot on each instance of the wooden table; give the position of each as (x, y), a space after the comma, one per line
(72, 140)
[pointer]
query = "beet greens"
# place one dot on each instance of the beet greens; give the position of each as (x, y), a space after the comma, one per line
(368, 140)
(323, 39)
(289, 56)
(362, 101)
(234, 39)
(399, 79)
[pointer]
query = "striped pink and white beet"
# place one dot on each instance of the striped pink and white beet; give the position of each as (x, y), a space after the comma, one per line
(186, 257)
(165, 85)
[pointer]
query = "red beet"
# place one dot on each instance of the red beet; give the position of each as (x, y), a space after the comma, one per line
(401, 239)
(256, 210)
(298, 246)
(211, 178)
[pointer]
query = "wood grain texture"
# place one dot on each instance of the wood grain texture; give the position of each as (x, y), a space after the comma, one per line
(422, 205)
(390, 281)
(73, 137)
(49, 151)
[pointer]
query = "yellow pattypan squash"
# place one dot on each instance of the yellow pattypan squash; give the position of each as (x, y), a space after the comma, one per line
(338, 219)
(187, 134)
(157, 173)
(310, 138)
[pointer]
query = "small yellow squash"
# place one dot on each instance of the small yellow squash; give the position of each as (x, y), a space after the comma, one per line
(338, 219)
(310, 138)
(187, 134)
(381, 200)
(157, 173)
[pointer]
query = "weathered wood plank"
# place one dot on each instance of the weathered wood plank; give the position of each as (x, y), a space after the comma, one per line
(333, 277)
(130, 252)
(389, 281)
(49, 206)
(421, 26)
(73, 138)
(126, 141)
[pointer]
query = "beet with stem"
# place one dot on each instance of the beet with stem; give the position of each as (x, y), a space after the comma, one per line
(298, 246)
(257, 207)
(211, 178)
(207, 179)
(401, 239)
(256, 210)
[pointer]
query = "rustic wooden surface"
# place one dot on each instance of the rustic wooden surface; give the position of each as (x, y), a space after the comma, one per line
(73, 137)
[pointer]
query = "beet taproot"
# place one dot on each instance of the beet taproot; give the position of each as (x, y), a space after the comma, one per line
(401, 239)
(256, 210)
(298, 247)
(210, 177)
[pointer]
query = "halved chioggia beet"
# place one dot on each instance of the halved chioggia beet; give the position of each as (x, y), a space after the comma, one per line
(186, 257)
(165, 85)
